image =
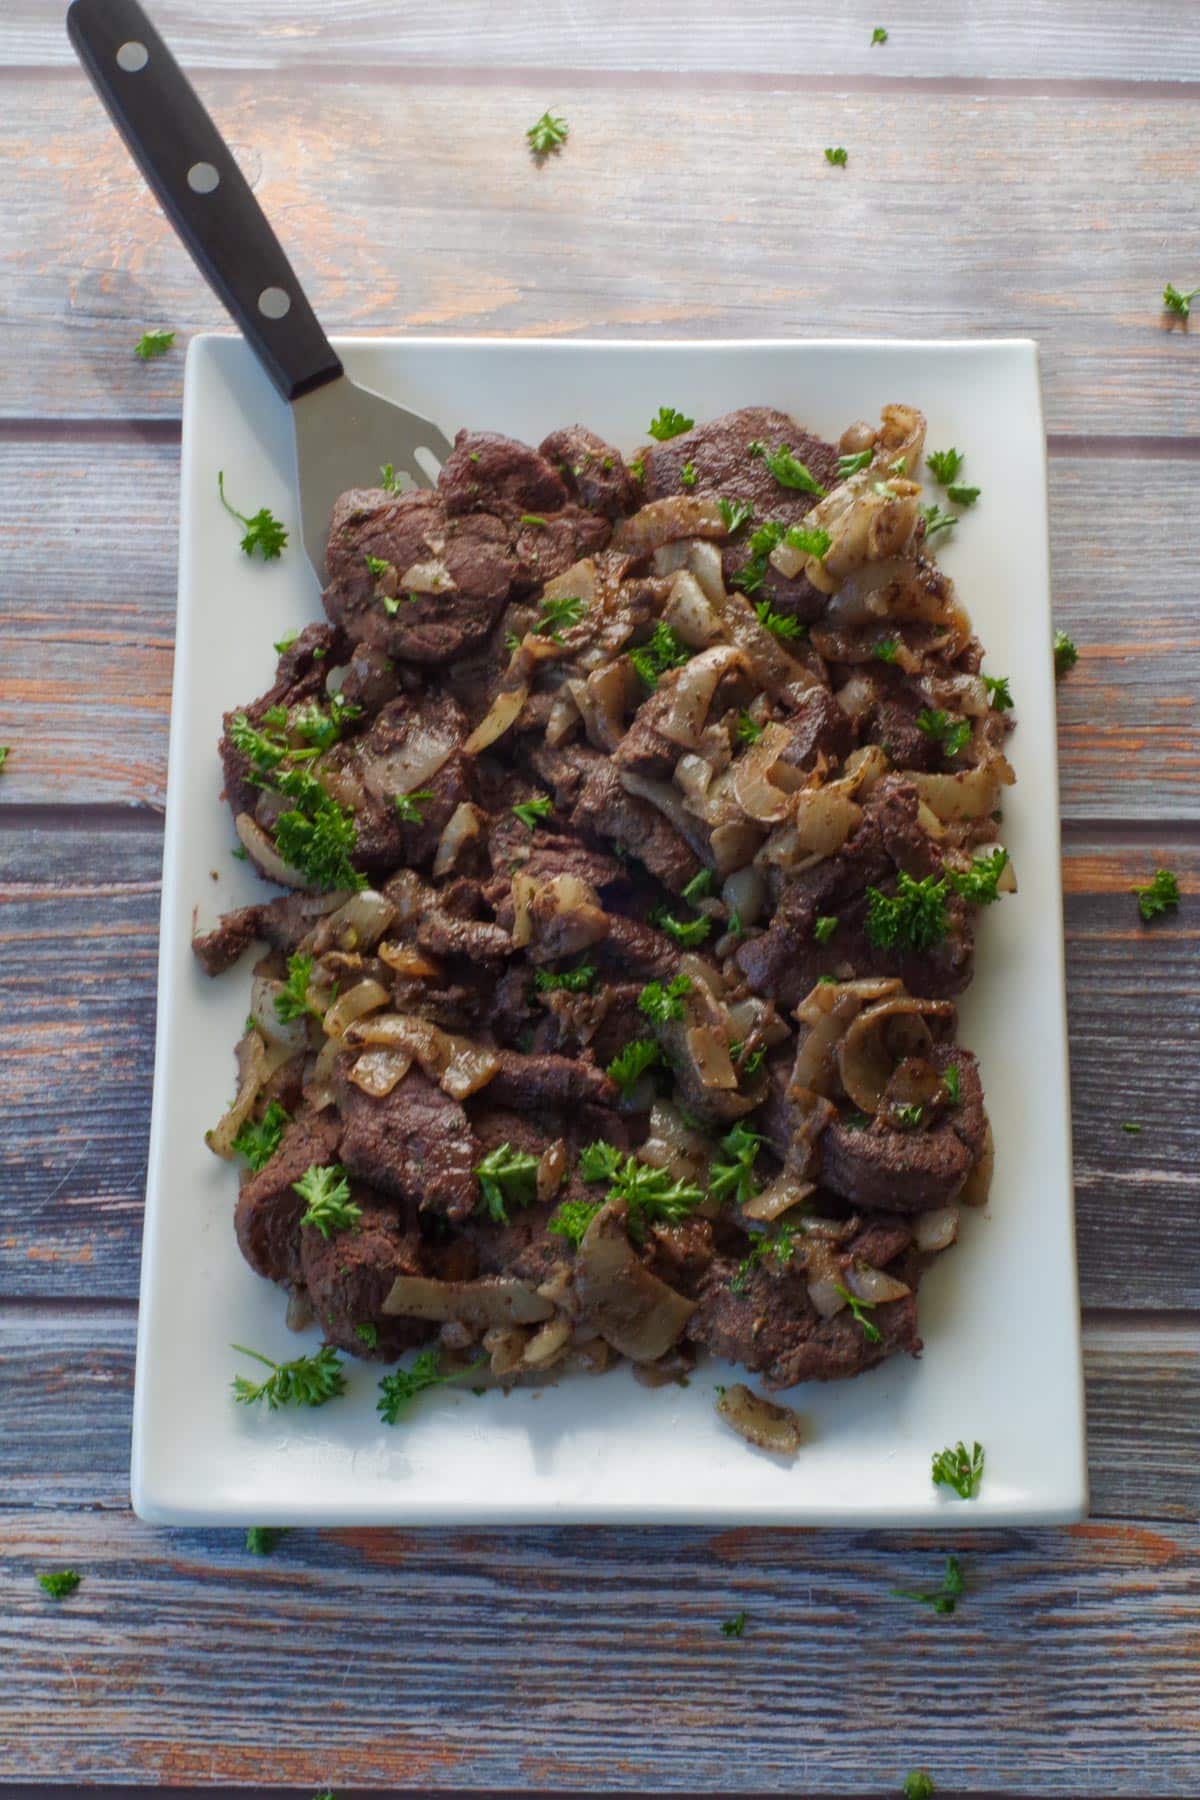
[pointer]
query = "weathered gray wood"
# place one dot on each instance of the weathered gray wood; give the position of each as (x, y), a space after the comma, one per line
(58, 1366)
(575, 1660)
(1123, 40)
(686, 208)
(78, 927)
(88, 603)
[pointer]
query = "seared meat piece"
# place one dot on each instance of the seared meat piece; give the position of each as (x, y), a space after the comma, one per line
(524, 1247)
(551, 547)
(892, 722)
(416, 1143)
(880, 1242)
(368, 774)
(545, 853)
(282, 923)
(405, 531)
(267, 1220)
(720, 452)
(300, 677)
(819, 728)
(773, 1329)
(604, 809)
(885, 1170)
(487, 472)
(681, 1255)
(370, 678)
(350, 1275)
(540, 1081)
(644, 749)
(634, 948)
(593, 471)
(602, 1022)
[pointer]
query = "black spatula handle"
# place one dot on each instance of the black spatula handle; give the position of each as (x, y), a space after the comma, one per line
(201, 189)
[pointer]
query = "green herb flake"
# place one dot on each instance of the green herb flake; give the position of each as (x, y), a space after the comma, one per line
(780, 625)
(944, 465)
(918, 1785)
(879, 35)
(960, 1469)
(1159, 895)
(559, 614)
(410, 806)
(326, 1192)
(548, 134)
(731, 1172)
(307, 1381)
(747, 731)
(634, 1061)
(735, 1627)
(262, 1539)
(399, 1389)
(688, 476)
(368, 1333)
(998, 692)
(154, 343)
(663, 650)
(1065, 655)
(788, 470)
(735, 514)
(859, 1310)
(263, 532)
(664, 1003)
(530, 812)
(506, 1175)
(963, 496)
(952, 1084)
(1179, 304)
(668, 423)
(943, 1600)
(914, 917)
(59, 1583)
(573, 1218)
(258, 1142)
(687, 933)
(825, 927)
(699, 887)
(886, 649)
(951, 735)
(569, 981)
(837, 157)
(809, 540)
(534, 519)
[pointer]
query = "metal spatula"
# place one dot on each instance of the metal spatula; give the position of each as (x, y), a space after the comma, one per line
(344, 432)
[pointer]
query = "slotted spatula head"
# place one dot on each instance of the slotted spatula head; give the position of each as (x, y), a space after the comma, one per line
(344, 433)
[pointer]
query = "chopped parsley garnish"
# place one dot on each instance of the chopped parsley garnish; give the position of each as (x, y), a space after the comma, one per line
(263, 531)
(600, 1161)
(323, 729)
(951, 1083)
(746, 1063)
(952, 735)
(979, 883)
(549, 133)
(368, 1333)
(668, 424)
(570, 981)
(944, 465)
(909, 1117)
(377, 565)
(698, 887)
(960, 1469)
(1158, 895)
(512, 642)
(293, 1002)
(627, 1069)
(780, 1246)
(154, 343)
(687, 933)
(879, 35)
(748, 732)
(326, 1190)
(403, 1385)
(943, 1600)
(573, 1218)
(838, 157)
(760, 544)
(663, 1003)
(810, 540)
(637, 468)
(860, 1309)
(262, 1539)
(507, 1175)
(651, 1196)
(851, 463)
(918, 1785)
(788, 470)
(1179, 304)
(265, 749)
(780, 625)
(885, 650)
(258, 1142)
(307, 1381)
(58, 1583)
(409, 806)
(530, 811)
(825, 927)
(912, 918)
(731, 1172)
(285, 642)
(963, 496)
(1131, 1128)
(733, 1628)
(533, 519)
(999, 692)
(558, 615)
(688, 476)
(936, 520)
(317, 836)
(389, 481)
(663, 650)
(1065, 655)
(735, 513)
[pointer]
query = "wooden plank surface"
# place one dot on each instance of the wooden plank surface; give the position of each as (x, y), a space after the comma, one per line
(685, 209)
(85, 685)
(60, 1365)
(1117, 40)
(78, 943)
(576, 1660)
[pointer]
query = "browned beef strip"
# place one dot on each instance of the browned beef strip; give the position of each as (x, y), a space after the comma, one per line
(370, 679)
(633, 948)
(603, 1021)
(350, 1275)
(605, 810)
(406, 529)
(681, 1255)
(414, 1144)
(362, 774)
(644, 750)
(555, 1081)
(282, 923)
(487, 472)
(546, 853)
(593, 471)
(880, 1242)
(300, 676)
(892, 722)
(819, 727)
(267, 1220)
(884, 1170)
(556, 541)
(772, 1328)
(719, 451)
(524, 1247)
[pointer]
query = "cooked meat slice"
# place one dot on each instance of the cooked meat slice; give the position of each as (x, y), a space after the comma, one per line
(593, 471)
(885, 1170)
(267, 1220)
(880, 1242)
(556, 541)
(556, 1081)
(604, 809)
(281, 923)
(681, 1255)
(545, 853)
(772, 1328)
(232, 935)
(633, 948)
(644, 749)
(720, 453)
(416, 1143)
(524, 1247)
(603, 1021)
(819, 728)
(892, 722)
(403, 532)
(300, 677)
(370, 679)
(478, 940)
(371, 772)
(487, 472)
(350, 1275)
(565, 769)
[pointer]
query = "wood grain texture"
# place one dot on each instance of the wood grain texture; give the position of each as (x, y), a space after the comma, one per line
(78, 931)
(678, 209)
(58, 1366)
(1121, 40)
(575, 1660)
(88, 533)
